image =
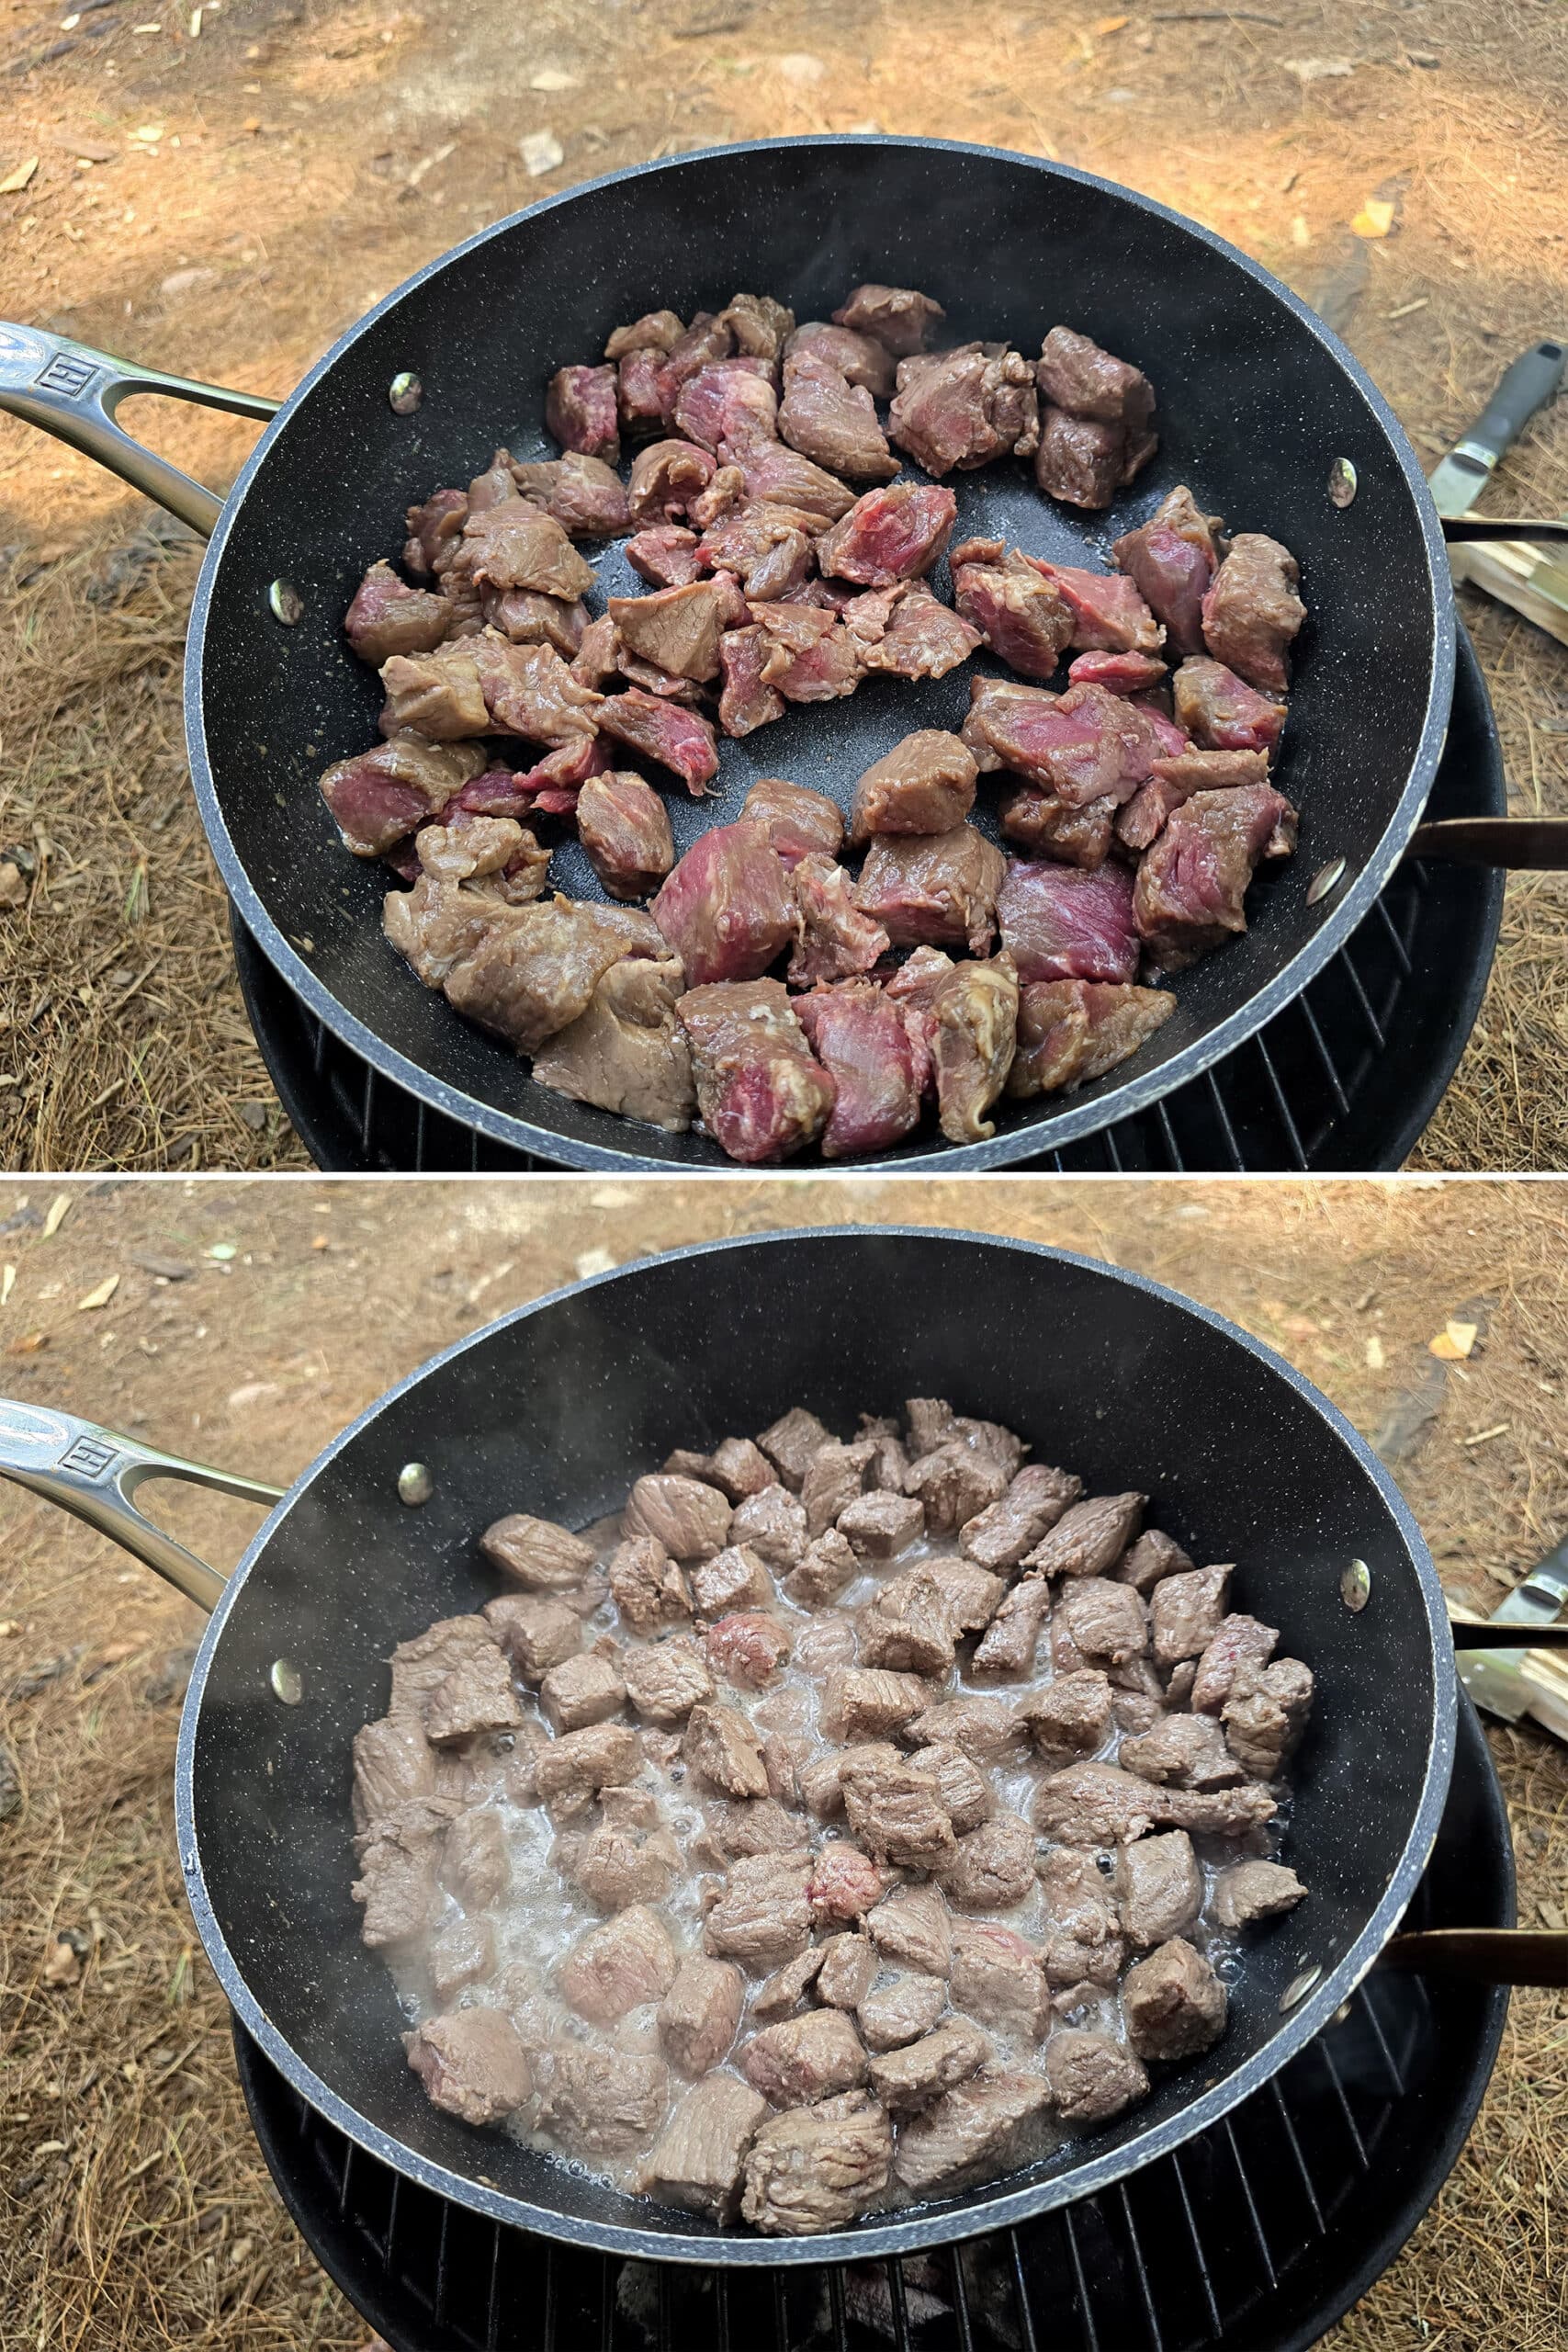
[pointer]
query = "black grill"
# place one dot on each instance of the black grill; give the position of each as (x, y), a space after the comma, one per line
(1261, 2232)
(1346, 1078)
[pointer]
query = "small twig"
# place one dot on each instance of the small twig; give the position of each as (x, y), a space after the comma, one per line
(1215, 16)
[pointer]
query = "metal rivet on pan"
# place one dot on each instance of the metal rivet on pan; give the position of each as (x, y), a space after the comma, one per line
(287, 604)
(1327, 878)
(415, 1484)
(1299, 1987)
(288, 1682)
(404, 394)
(1356, 1587)
(1341, 482)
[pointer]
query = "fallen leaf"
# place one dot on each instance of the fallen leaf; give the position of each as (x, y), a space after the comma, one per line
(1375, 1357)
(322, 1241)
(252, 1393)
(59, 1210)
(799, 65)
(7, 1283)
(596, 1262)
(1108, 25)
(61, 1964)
(13, 885)
(552, 78)
(9, 1625)
(14, 182)
(1375, 217)
(541, 152)
(1318, 69)
(100, 1296)
(1453, 1342)
(29, 1344)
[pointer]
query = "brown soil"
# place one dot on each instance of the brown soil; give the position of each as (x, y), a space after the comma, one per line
(308, 156)
(134, 2209)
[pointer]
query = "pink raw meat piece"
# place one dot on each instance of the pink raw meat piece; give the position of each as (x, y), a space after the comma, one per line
(728, 910)
(1191, 883)
(1023, 617)
(745, 703)
(728, 405)
(808, 655)
(1119, 673)
(863, 1043)
(1222, 712)
(1109, 615)
(1084, 745)
(1171, 559)
(1176, 780)
(388, 617)
(837, 942)
(664, 731)
(581, 410)
(891, 534)
(1061, 924)
(665, 556)
(934, 890)
(761, 1092)
(377, 796)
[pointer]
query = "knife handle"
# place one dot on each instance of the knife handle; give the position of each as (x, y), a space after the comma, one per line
(1527, 385)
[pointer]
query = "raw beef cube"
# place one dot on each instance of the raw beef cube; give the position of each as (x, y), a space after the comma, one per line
(799, 821)
(934, 888)
(666, 478)
(1176, 780)
(728, 407)
(894, 316)
(837, 942)
(779, 475)
(1193, 881)
(708, 338)
(387, 616)
(624, 828)
(924, 637)
(581, 493)
(1108, 614)
(767, 546)
(964, 407)
(1059, 922)
(924, 785)
(678, 739)
(1085, 745)
(832, 421)
(761, 1093)
(1072, 1031)
(745, 703)
(1021, 614)
(844, 1883)
(1252, 613)
(378, 797)
(1119, 673)
(888, 535)
(1171, 559)
(700, 2157)
(1222, 712)
(728, 908)
(665, 555)
(581, 410)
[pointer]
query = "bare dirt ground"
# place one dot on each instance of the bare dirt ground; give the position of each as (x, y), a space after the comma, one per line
(225, 205)
(134, 2209)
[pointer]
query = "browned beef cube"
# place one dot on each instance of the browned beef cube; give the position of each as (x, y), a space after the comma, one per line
(1092, 2078)
(786, 1759)
(772, 1524)
(471, 2063)
(1105, 1620)
(908, 1625)
(934, 889)
(848, 1971)
(1089, 1537)
(790, 1443)
(582, 1690)
(1013, 1633)
(626, 1862)
(869, 1704)
(955, 1484)
(908, 2079)
(965, 406)
(897, 317)
(901, 2011)
(1081, 377)
(666, 1679)
(858, 358)
(1186, 1609)
(1252, 613)
(780, 1994)
(998, 1536)
(833, 421)
(600, 2102)
(805, 2059)
(701, 2153)
(1264, 1716)
(822, 1570)
(739, 1468)
(964, 1788)
(537, 1553)
(474, 1858)
(1214, 1813)
(761, 1092)
(913, 1925)
(535, 1632)
(835, 1475)
(1096, 1804)
(996, 1976)
(1083, 1942)
(979, 2128)
(1079, 460)
(690, 1518)
(814, 2169)
(1154, 1556)
(971, 1595)
(749, 1826)
(1183, 1752)
(1160, 1886)
(895, 1808)
(649, 1589)
(1174, 2003)
(700, 2014)
(733, 1578)
(933, 1422)
(763, 1915)
(461, 1954)
(880, 1525)
(844, 1883)
(1249, 1892)
(993, 1867)
(748, 1647)
(397, 1873)
(624, 828)
(392, 1762)
(989, 1730)
(572, 1768)
(1072, 1716)
(1180, 1683)
(621, 1966)
(925, 785)
(721, 1744)
(477, 1696)
(1238, 1641)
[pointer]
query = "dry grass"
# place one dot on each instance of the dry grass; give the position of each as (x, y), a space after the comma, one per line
(134, 2210)
(302, 130)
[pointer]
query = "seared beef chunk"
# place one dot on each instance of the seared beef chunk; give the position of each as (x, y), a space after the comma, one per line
(832, 421)
(729, 406)
(1102, 411)
(1264, 1716)
(734, 1578)
(721, 1745)
(661, 730)
(762, 1917)
(901, 2011)
(805, 2059)
(779, 475)
(476, 1696)
(471, 2063)
(665, 556)
(747, 1648)
(700, 2014)
(908, 1626)
(1084, 1941)
(962, 1788)
(708, 338)
(869, 1703)
(397, 1865)
(599, 2101)
(964, 407)
(1084, 747)
(570, 1770)
(677, 629)
(666, 478)
(579, 493)
(1186, 1611)
(745, 703)
(815, 2168)
(924, 785)
(888, 535)
(894, 316)
(581, 410)
(979, 2127)
(907, 2080)
(580, 1691)
(1238, 1641)
(1171, 559)
(835, 1475)
(537, 971)
(993, 1868)
(626, 832)
(1175, 2004)
(772, 1524)
(968, 1023)
(1222, 712)
(1252, 613)
(1021, 615)
(1108, 614)
(791, 1441)
(387, 616)
(624, 1863)
(864, 1045)
(1078, 460)
(998, 1536)
(808, 654)
(894, 1806)
(911, 634)
(1154, 1556)
(626, 1052)
(620, 1966)
(761, 326)
(761, 1093)
(848, 1969)
(1161, 1887)
(1087, 381)
(1089, 1537)
(879, 1526)
(462, 1953)
(1173, 781)
(392, 1762)
(1183, 1752)
(934, 888)
(1072, 1031)
(1095, 1804)
(702, 2150)
(1191, 885)
(859, 358)
(766, 546)
(377, 797)
(435, 530)
(844, 1885)
(1010, 1640)
(690, 1518)
(728, 908)
(836, 942)
(1104, 1621)
(1249, 1892)
(1092, 2078)
(800, 822)
(1072, 1715)
(517, 545)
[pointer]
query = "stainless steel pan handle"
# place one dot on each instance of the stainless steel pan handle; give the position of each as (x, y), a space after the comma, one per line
(94, 1473)
(72, 391)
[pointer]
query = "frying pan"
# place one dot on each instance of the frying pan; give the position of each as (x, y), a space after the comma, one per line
(555, 1410)
(1263, 412)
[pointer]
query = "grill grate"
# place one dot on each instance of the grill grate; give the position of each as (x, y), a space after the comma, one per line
(1346, 1078)
(1262, 2230)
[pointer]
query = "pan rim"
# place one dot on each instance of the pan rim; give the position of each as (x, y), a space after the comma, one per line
(1063, 1126)
(930, 2225)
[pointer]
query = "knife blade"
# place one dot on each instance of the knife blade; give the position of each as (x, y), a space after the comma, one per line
(1495, 1679)
(1457, 481)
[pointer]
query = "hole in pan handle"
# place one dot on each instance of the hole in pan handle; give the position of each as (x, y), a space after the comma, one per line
(72, 391)
(94, 1473)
